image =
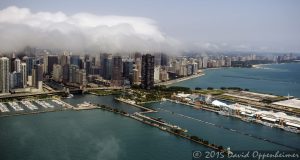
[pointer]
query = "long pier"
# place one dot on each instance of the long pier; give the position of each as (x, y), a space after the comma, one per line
(229, 129)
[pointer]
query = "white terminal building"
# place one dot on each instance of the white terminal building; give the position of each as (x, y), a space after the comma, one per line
(279, 118)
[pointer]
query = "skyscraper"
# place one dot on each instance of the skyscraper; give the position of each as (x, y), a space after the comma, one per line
(37, 76)
(16, 80)
(24, 74)
(138, 67)
(4, 75)
(106, 66)
(65, 73)
(147, 71)
(17, 63)
(116, 77)
(138, 64)
(45, 59)
(64, 59)
(81, 77)
(204, 62)
(57, 73)
(128, 70)
(29, 64)
(164, 59)
(52, 59)
(72, 73)
(157, 59)
(88, 66)
(75, 60)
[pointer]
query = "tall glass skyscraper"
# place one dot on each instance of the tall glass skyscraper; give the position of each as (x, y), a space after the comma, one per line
(4, 75)
(147, 71)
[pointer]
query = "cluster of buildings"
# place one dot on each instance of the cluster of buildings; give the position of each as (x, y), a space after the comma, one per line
(20, 75)
(27, 73)
(285, 58)
(270, 118)
(248, 113)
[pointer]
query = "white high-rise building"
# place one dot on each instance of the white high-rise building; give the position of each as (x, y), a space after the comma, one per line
(45, 59)
(24, 74)
(204, 62)
(57, 73)
(156, 74)
(4, 75)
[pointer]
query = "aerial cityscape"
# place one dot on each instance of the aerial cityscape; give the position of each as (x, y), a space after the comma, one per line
(102, 80)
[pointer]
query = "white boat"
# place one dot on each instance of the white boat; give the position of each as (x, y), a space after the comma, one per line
(15, 106)
(3, 108)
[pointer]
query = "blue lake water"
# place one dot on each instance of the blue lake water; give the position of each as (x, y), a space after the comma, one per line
(279, 79)
(97, 134)
(90, 135)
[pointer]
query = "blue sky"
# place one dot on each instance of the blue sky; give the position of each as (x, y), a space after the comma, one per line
(271, 25)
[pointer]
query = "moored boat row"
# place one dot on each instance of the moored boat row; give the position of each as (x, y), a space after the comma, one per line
(3, 108)
(29, 105)
(15, 106)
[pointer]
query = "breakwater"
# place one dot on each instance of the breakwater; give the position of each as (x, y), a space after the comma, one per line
(173, 129)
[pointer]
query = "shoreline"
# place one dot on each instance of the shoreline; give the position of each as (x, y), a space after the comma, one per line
(170, 82)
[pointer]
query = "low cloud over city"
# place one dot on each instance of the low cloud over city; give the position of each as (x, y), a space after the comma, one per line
(21, 27)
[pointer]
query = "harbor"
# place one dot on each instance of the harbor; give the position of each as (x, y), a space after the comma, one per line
(32, 106)
(164, 126)
(70, 122)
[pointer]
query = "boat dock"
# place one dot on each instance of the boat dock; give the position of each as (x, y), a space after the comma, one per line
(32, 106)
(29, 105)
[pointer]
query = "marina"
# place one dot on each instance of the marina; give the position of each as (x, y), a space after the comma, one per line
(126, 129)
(44, 104)
(15, 106)
(30, 106)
